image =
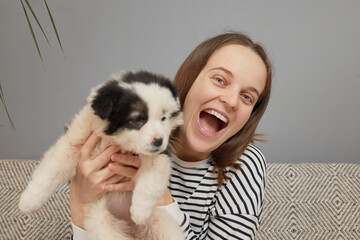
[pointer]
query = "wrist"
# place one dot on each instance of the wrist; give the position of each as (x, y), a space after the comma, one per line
(165, 199)
(77, 214)
(77, 217)
(77, 210)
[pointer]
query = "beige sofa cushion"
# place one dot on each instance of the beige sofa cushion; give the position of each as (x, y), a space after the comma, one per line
(302, 201)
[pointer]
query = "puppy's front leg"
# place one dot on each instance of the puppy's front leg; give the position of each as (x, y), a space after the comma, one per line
(151, 181)
(57, 166)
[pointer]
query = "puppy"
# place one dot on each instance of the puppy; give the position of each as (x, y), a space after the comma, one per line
(137, 111)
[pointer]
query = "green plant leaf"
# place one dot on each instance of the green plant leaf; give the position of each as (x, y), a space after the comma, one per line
(32, 32)
(34, 15)
(53, 23)
(2, 98)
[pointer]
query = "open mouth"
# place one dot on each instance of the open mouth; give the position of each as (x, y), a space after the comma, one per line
(212, 121)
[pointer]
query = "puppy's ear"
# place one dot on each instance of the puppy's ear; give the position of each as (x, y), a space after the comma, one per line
(103, 102)
(102, 106)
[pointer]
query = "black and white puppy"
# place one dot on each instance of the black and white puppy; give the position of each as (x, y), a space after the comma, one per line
(137, 111)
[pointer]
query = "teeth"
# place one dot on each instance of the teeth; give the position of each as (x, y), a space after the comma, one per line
(218, 115)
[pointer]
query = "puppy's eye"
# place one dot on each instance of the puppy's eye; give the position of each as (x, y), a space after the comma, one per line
(138, 119)
(136, 122)
(163, 118)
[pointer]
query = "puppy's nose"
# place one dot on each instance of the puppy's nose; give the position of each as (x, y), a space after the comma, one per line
(157, 142)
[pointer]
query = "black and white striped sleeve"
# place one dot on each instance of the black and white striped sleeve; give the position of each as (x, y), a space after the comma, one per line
(238, 208)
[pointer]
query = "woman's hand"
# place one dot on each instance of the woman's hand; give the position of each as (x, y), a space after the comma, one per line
(95, 176)
(125, 166)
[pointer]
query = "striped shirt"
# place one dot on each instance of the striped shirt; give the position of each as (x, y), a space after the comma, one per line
(231, 212)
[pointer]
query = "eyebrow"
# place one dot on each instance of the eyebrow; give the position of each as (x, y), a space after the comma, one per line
(223, 69)
(252, 89)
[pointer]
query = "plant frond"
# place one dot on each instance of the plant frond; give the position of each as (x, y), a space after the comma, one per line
(53, 23)
(2, 98)
(34, 15)
(32, 32)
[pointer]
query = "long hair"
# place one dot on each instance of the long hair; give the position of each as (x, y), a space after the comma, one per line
(227, 154)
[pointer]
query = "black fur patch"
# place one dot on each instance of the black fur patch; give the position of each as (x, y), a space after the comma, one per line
(148, 78)
(116, 105)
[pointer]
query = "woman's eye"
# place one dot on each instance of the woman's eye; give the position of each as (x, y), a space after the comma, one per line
(219, 80)
(247, 98)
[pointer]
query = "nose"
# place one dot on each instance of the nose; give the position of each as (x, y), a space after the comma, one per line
(157, 142)
(231, 99)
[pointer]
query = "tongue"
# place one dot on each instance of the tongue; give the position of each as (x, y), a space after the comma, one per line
(209, 122)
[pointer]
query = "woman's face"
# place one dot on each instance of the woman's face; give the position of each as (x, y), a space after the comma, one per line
(220, 100)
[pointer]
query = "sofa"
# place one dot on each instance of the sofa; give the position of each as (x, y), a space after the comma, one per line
(302, 201)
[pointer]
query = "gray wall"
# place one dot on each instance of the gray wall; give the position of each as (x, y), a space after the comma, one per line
(314, 112)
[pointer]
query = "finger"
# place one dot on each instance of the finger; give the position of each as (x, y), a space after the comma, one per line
(90, 144)
(125, 186)
(126, 159)
(102, 160)
(100, 177)
(122, 170)
(115, 179)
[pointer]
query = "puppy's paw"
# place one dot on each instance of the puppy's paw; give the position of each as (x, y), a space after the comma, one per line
(33, 198)
(140, 215)
(29, 203)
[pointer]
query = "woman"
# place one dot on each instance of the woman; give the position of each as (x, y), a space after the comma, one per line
(218, 177)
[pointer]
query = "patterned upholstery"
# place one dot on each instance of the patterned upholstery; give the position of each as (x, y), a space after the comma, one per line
(51, 222)
(302, 201)
(312, 202)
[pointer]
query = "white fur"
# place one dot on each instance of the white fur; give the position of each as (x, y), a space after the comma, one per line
(59, 165)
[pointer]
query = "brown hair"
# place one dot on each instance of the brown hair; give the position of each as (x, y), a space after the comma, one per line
(228, 153)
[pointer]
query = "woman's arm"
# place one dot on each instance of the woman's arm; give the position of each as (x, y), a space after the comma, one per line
(96, 176)
(238, 208)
